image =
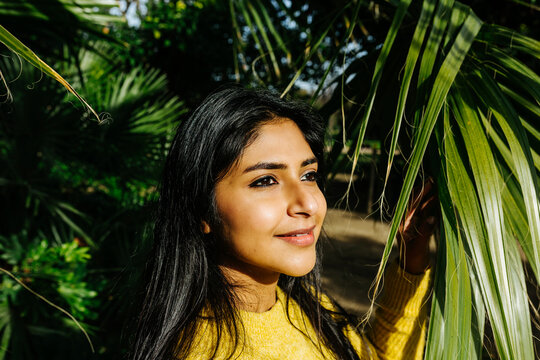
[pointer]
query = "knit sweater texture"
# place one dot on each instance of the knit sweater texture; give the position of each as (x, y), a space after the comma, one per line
(396, 332)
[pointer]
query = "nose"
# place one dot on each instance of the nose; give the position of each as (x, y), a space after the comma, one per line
(303, 200)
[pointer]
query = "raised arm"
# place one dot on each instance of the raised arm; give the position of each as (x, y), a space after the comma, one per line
(398, 330)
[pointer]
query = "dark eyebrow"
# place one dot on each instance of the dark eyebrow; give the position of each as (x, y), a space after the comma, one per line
(277, 166)
(266, 166)
(307, 162)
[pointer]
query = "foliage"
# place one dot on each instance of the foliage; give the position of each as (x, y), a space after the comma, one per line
(189, 41)
(79, 160)
(42, 24)
(64, 176)
(58, 273)
(22, 50)
(81, 19)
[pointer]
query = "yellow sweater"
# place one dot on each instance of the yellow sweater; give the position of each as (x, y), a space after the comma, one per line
(397, 332)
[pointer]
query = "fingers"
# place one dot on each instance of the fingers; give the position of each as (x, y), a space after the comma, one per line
(422, 212)
(422, 192)
(429, 212)
(417, 228)
(427, 219)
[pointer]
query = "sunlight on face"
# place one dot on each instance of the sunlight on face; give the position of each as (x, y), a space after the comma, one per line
(271, 207)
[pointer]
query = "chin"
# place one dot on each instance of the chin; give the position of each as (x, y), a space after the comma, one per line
(300, 268)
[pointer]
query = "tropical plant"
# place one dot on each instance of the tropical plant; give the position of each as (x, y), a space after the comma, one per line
(64, 176)
(175, 37)
(454, 96)
(43, 24)
(54, 140)
(87, 21)
(57, 273)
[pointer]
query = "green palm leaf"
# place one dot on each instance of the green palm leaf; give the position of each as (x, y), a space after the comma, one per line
(22, 50)
(441, 86)
(428, 8)
(495, 258)
(377, 74)
(522, 162)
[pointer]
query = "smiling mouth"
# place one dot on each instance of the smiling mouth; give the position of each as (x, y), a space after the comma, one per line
(300, 237)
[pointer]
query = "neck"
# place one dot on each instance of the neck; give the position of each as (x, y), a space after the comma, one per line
(255, 291)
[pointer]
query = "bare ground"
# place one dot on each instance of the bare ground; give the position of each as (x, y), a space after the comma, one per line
(351, 257)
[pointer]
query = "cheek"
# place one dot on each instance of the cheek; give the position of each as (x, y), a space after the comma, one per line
(320, 214)
(261, 214)
(246, 219)
(321, 206)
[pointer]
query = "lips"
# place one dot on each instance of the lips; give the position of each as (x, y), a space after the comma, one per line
(299, 237)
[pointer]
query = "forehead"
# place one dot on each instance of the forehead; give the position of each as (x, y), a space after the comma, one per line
(279, 139)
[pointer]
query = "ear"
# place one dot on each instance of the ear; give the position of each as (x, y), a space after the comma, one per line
(205, 227)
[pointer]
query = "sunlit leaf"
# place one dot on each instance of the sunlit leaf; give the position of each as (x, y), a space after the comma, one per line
(22, 50)
(441, 87)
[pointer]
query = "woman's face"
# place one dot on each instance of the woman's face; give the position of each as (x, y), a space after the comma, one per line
(270, 205)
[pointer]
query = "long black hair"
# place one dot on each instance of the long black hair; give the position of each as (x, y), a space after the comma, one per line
(184, 278)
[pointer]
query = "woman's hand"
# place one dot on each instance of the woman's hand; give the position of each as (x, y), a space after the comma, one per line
(416, 230)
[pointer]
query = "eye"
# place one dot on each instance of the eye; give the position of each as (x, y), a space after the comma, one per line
(264, 182)
(311, 176)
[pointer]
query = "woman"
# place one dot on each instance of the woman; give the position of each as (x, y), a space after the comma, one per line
(235, 269)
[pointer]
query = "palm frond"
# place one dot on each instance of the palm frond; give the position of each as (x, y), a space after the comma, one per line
(22, 50)
(441, 86)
